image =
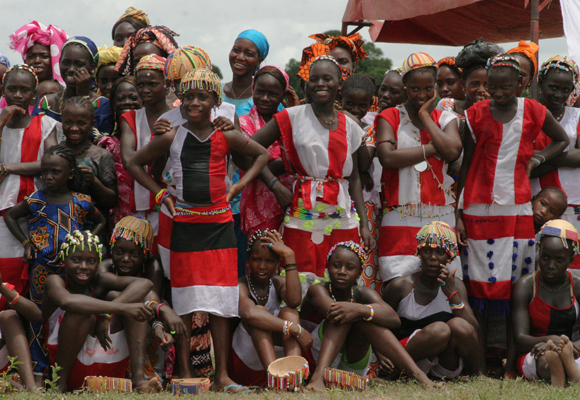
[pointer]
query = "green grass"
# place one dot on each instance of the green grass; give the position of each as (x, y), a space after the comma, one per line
(480, 389)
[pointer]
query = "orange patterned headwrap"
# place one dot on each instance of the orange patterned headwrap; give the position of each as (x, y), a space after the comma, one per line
(449, 61)
(311, 53)
(529, 50)
(352, 43)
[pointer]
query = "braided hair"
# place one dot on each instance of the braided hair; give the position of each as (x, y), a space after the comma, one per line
(80, 102)
(358, 81)
(78, 179)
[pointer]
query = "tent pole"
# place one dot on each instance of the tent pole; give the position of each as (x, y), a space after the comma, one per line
(535, 37)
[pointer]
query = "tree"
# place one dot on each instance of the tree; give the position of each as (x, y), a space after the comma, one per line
(375, 65)
(217, 71)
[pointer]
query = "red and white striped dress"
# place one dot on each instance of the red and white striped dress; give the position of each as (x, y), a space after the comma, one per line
(567, 179)
(497, 210)
(321, 213)
(411, 198)
(19, 146)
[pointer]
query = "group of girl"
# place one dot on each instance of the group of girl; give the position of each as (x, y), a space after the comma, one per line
(168, 202)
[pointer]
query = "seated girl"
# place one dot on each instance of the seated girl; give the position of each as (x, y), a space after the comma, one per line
(131, 255)
(71, 305)
(267, 331)
(438, 327)
(355, 318)
(545, 309)
(12, 332)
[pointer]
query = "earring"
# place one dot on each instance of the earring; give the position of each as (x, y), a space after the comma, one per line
(528, 90)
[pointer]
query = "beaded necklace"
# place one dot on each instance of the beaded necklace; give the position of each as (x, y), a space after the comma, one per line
(255, 293)
(334, 298)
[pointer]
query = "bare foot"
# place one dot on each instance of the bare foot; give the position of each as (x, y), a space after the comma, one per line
(317, 385)
(152, 386)
(558, 376)
(566, 352)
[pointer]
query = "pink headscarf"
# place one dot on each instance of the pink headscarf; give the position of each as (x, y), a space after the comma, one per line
(284, 74)
(34, 32)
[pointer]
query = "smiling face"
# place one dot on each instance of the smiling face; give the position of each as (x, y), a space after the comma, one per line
(244, 57)
(198, 104)
(126, 98)
(106, 77)
(55, 172)
(81, 265)
(556, 88)
(77, 125)
(128, 258)
(420, 86)
(122, 32)
(19, 89)
(357, 102)
(344, 58)
(502, 84)
(262, 262)
(151, 86)
(324, 82)
(344, 268)
(392, 91)
(554, 259)
(73, 58)
(268, 94)
(38, 57)
(546, 206)
(526, 72)
(449, 83)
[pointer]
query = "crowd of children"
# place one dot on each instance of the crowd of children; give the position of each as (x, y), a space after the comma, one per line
(151, 213)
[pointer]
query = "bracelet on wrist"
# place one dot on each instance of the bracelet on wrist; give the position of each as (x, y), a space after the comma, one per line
(162, 195)
(25, 242)
(459, 306)
(290, 265)
(451, 295)
(106, 316)
(272, 182)
(15, 300)
(370, 318)
(158, 307)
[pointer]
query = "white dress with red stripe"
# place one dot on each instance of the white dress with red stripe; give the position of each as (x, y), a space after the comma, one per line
(321, 213)
(567, 179)
(497, 210)
(174, 115)
(412, 199)
(92, 359)
(19, 146)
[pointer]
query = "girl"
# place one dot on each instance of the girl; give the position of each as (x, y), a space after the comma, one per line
(136, 129)
(320, 150)
(438, 328)
(12, 307)
(355, 319)
(259, 209)
(525, 53)
(392, 91)
(550, 203)
(546, 309)
(72, 302)
(156, 39)
(78, 60)
(265, 326)
(494, 217)
(557, 77)
(105, 74)
(347, 50)
(449, 79)
(202, 227)
(132, 255)
(52, 213)
(130, 22)
(415, 144)
(96, 163)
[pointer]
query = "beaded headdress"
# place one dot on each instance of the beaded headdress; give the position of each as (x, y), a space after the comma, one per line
(562, 229)
(259, 234)
(352, 246)
(503, 60)
(22, 67)
(438, 235)
(152, 61)
(78, 238)
(563, 63)
(416, 61)
(134, 229)
(202, 79)
(184, 59)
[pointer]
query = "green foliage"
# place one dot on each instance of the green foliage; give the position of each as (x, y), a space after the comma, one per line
(217, 70)
(375, 65)
(5, 376)
(52, 383)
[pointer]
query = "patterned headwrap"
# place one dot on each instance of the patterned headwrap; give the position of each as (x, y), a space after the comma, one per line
(152, 61)
(314, 53)
(30, 34)
(503, 60)
(132, 12)
(438, 235)
(563, 63)
(416, 61)
(450, 62)
(185, 59)
(82, 239)
(4, 60)
(352, 246)
(159, 35)
(202, 79)
(22, 67)
(562, 229)
(258, 39)
(284, 74)
(352, 43)
(529, 50)
(87, 43)
(108, 55)
(134, 229)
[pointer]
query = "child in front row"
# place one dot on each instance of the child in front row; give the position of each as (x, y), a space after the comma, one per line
(71, 304)
(550, 203)
(355, 318)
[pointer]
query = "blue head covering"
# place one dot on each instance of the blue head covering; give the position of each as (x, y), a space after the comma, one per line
(4, 60)
(259, 40)
(87, 44)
